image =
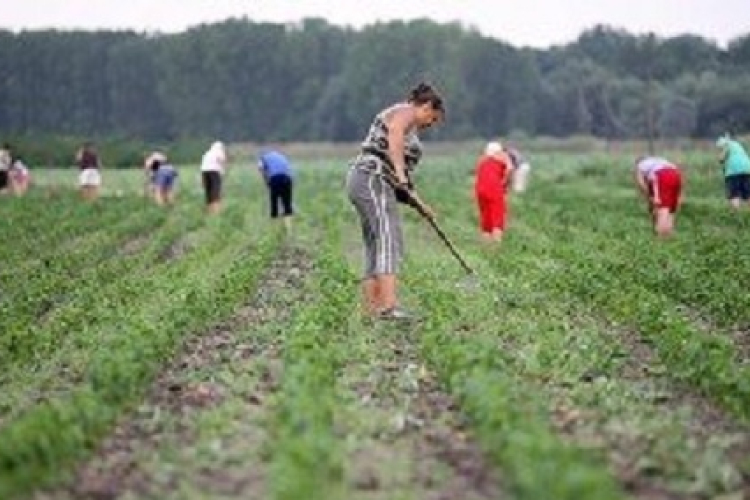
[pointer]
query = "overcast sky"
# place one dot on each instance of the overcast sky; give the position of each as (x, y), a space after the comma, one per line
(537, 23)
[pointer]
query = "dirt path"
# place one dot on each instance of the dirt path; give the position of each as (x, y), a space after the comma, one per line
(407, 437)
(199, 432)
(662, 440)
(739, 334)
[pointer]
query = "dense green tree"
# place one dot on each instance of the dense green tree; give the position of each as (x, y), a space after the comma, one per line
(244, 80)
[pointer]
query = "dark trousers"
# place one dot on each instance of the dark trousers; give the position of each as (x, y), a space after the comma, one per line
(280, 192)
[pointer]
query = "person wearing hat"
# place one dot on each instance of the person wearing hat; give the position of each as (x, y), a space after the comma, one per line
(492, 174)
(213, 166)
(736, 163)
(150, 166)
(659, 181)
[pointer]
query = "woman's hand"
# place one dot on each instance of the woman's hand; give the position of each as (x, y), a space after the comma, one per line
(402, 181)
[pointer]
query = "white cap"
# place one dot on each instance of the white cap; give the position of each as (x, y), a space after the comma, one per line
(493, 148)
(217, 145)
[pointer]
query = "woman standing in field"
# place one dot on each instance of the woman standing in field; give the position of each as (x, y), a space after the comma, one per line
(494, 169)
(660, 183)
(276, 170)
(213, 164)
(736, 164)
(377, 180)
(90, 178)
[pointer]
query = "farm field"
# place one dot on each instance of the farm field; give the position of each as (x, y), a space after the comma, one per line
(152, 353)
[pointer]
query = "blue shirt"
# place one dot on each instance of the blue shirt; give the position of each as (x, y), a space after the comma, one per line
(274, 163)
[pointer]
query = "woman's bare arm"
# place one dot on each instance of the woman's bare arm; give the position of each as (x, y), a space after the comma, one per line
(399, 122)
(641, 183)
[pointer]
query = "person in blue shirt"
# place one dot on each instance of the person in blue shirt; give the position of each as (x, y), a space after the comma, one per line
(278, 175)
(736, 164)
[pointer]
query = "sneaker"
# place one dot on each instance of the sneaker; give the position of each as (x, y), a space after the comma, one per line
(397, 313)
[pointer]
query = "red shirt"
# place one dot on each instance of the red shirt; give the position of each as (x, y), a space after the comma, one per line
(490, 178)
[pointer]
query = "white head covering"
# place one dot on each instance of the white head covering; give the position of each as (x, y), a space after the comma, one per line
(493, 148)
(157, 156)
(722, 141)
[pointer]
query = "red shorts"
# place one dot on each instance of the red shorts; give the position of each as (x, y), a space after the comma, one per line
(491, 213)
(666, 188)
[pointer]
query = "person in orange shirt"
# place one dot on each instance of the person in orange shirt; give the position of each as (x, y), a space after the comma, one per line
(492, 174)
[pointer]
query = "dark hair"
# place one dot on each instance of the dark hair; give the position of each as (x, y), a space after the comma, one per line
(424, 93)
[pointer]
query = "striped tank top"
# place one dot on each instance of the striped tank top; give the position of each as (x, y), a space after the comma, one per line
(374, 156)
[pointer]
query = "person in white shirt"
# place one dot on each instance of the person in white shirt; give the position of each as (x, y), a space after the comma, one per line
(6, 161)
(213, 167)
(659, 181)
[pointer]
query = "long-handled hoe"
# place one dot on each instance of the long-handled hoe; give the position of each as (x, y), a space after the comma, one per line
(471, 281)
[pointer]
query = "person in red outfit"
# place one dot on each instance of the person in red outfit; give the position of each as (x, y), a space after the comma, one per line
(660, 183)
(491, 181)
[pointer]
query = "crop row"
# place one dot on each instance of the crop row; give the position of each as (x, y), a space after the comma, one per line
(41, 307)
(72, 277)
(628, 280)
(125, 349)
(473, 346)
(307, 454)
(39, 228)
(57, 349)
(699, 268)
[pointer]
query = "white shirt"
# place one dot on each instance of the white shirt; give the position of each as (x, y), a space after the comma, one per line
(213, 160)
(652, 164)
(5, 160)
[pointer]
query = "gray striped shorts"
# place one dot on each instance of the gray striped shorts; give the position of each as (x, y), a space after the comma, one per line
(376, 205)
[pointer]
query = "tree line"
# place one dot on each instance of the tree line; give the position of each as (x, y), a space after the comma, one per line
(241, 80)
